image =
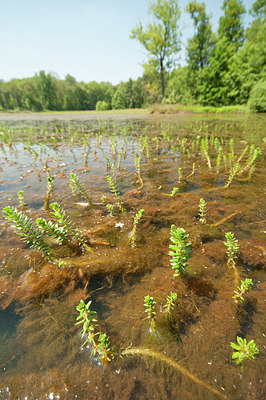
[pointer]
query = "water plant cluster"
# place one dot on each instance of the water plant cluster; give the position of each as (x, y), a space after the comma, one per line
(138, 204)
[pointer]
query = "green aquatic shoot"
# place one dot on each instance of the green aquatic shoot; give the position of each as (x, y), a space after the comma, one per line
(174, 192)
(244, 350)
(51, 229)
(202, 211)
(78, 188)
(149, 304)
(255, 153)
(26, 228)
(137, 160)
(179, 175)
(22, 204)
(242, 290)
(169, 306)
(99, 341)
(180, 250)
(114, 191)
(232, 174)
(132, 236)
(65, 222)
(232, 248)
(50, 186)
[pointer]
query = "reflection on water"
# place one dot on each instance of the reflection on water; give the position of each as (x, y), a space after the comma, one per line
(40, 346)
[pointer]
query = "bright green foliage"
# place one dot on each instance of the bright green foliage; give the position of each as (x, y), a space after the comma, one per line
(180, 250)
(242, 290)
(161, 38)
(257, 99)
(101, 105)
(254, 154)
(169, 306)
(245, 351)
(52, 229)
(65, 222)
(231, 24)
(21, 199)
(174, 192)
(25, 227)
(132, 237)
(202, 211)
(98, 341)
(232, 248)
(149, 303)
(78, 187)
(118, 101)
(50, 186)
(232, 174)
(114, 191)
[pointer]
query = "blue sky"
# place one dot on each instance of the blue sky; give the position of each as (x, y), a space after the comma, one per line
(88, 39)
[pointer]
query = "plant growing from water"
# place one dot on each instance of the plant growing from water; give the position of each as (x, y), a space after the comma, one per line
(52, 229)
(149, 304)
(232, 248)
(137, 160)
(50, 186)
(242, 290)
(77, 187)
(25, 227)
(232, 174)
(114, 191)
(169, 306)
(21, 199)
(65, 222)
(98, 341)
(244, 350)
(202, 211)
(132, 236)
(180, 250)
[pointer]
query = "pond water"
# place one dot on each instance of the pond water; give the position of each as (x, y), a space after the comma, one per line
(187, 357)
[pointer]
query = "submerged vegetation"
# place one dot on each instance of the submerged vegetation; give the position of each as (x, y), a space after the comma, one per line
(159, 177)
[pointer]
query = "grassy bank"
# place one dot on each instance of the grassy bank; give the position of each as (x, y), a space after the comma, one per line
(196, 108)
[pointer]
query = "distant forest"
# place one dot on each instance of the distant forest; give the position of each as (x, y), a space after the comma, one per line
(227, 67)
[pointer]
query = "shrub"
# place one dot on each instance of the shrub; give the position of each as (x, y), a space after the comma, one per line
(101, 105)
(257, 98)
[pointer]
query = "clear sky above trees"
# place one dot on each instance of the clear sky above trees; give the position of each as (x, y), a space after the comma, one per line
(87, 39)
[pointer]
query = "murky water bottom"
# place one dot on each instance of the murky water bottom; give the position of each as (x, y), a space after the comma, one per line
(41, 355)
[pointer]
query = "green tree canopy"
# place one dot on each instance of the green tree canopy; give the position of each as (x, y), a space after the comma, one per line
(161, 38)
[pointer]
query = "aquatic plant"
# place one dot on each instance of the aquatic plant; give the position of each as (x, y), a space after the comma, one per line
(169, 306)
(65, 222)
(132, 236)
(255, 153)
(232, 248)
(50, 186)
(137, 166)
(114, 191)
(149, 304)
(52, 229)
(242, 290)
(204, 148)
(25, 227)
(98, 341)
(21, 199)
(232, 174)
(179, 175)
(174, 192)
(77, 187)
(180, 250)
(202, 211)
(244, 350)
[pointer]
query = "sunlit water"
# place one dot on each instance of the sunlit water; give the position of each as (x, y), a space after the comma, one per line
(41, 355)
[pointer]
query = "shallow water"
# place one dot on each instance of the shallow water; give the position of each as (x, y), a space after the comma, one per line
(40, 346)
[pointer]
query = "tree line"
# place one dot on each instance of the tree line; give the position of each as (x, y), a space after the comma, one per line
(227, 67)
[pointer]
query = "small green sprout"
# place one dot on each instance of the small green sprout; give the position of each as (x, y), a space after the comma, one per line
(202, 211)
(232, 248)
(175, 190)
(50, 186)
(25, 227)
(180, 250)
(52, 229)
(132, 236)
(245, 351)
(179, 175)
(232, 174)
(149, 303)
(77, 187)
(114, 191)
(243, 289)
(21, 199)
(169, 306)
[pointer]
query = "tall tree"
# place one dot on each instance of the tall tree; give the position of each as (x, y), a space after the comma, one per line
(161, 38)
(231, 24)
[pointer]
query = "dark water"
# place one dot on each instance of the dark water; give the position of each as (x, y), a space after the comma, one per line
(40, 345)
